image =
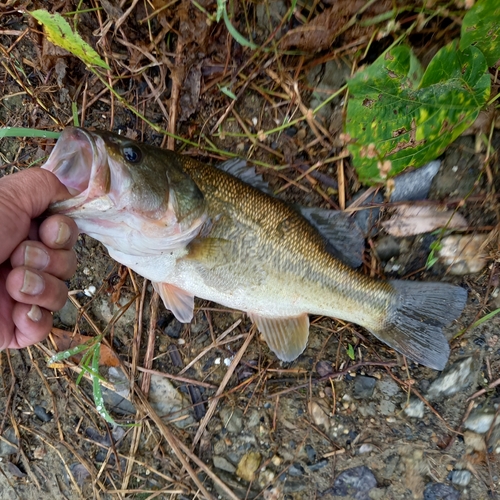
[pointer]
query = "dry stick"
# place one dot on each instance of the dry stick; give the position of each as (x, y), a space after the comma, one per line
(136, 434)
(150, 349)
(182, 380)
(483, 391)
(179, 448)
(177, 76)
(341, 183)
(220, 390)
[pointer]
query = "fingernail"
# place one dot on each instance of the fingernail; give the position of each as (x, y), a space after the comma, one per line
(64, 234)
(35, 313)
(35, 257)
(33, 283)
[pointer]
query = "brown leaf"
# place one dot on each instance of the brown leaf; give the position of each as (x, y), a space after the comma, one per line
(410, 220)
(66, 340)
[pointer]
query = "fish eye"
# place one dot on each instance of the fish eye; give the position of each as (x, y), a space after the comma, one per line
(132, 154)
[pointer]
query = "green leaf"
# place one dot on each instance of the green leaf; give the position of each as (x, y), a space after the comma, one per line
(481, 28)
(59, 32)
(395, 120)
(350, 352)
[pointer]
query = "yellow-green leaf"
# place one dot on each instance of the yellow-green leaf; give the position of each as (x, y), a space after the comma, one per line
(59, 32)
(395, 121)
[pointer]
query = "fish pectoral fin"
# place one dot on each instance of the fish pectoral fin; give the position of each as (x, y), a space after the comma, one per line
(210, 251)
(180, 302)
(286, 337)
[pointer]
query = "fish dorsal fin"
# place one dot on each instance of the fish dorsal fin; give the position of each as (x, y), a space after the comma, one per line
(240, 169)
(180, 302)
(286, 337)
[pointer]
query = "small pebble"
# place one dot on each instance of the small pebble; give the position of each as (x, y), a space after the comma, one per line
(354, 482)
(296, 470)
(311, 453)
(364, 387)
(415, 408)
(460, 477)
(318, 465)
(440, 491)
(42, 413)
(249, 463)
(365, 448)
(454, 379)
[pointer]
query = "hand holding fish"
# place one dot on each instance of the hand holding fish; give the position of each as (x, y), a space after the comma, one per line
(34, 258)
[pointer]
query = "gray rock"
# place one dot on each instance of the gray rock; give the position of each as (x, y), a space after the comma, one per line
(387, 407)
(415, 408)
(296, 470)
(222, 463)
(8, 449)
(460, 477)
(363, 386)
(481, 419)
(440, 491)
(388, 387)
(118, 401)
(68, 314)
(355, 482)
(387, 247)
(232, 419)
(455, 378)
(415, 185)
(170, 404)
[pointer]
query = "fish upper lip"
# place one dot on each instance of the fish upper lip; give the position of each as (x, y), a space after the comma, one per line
(78, 163)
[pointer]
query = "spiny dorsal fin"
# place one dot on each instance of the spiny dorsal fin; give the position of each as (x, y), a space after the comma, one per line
(180, 302)
(286, 337)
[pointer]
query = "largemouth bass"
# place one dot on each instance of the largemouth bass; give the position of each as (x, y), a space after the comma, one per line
(195, 230)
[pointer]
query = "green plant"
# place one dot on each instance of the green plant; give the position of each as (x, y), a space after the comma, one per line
(399, 116)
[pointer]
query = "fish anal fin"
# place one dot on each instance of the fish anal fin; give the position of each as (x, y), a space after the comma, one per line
(180, 302)
(286, 337)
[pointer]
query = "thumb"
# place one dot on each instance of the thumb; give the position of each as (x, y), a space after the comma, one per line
(24, 196)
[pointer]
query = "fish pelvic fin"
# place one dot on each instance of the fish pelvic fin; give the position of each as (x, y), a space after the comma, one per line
(414, 324)
(286, 337)
(180, 302)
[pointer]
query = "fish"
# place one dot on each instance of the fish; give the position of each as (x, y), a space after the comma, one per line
(196, 230)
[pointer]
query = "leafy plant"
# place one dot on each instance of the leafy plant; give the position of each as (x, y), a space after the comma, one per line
(399, 116)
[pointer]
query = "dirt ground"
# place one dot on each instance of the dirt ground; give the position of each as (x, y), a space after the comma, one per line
(215, 413)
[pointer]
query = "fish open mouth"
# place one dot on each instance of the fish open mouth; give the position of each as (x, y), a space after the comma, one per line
(72, 159)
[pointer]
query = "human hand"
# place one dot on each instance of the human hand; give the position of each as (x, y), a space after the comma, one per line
(41, 256)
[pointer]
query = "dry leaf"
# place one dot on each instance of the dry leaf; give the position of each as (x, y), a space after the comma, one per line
(66, 340)
(410, 220)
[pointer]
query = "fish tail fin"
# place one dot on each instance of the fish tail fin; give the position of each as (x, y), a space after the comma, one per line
(414, 324)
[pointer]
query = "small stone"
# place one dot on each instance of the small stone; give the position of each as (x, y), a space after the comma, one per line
(355, 482)
(42, 414)
(388, 387)
(455, 378)
(415, 185)
(311, 453)
(460, 477)
(222, 463)
(173, 329)
(363, 387)
(387, 247)
(387, 407)
(415, 408)
(481, 419)
(365, 448)
(296, 470)
(319, 415)
(7, 449)
(440, 491)
(318, 465)
(232, 419)
(249, 463)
